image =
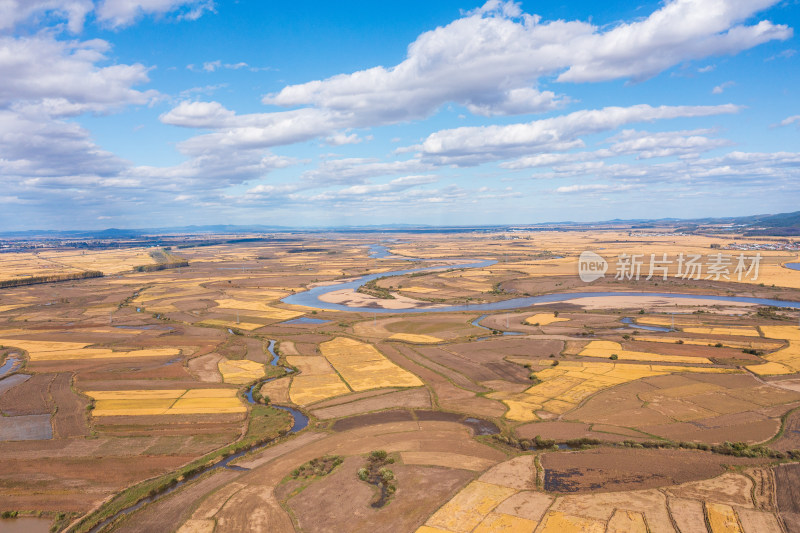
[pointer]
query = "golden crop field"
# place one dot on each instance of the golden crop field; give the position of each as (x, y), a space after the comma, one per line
(317, 380)
(240, 372)
(784, 361)
(544, 319)
(722, 518)
(505, 506)
(565, 386)
(59, 351)
(415, 338)
(165, 402)
(606, 349)
(363, 367)
(467, 509)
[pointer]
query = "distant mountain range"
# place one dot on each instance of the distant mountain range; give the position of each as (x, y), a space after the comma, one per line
(782, 224)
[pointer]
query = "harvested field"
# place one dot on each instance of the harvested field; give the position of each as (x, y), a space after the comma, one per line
(241, 372)
(607, 349)
(362, 421)
(448, 395)
(206, 368)
(415, 338)
(469, 507)
(30, 397)
(415, 398)
(787, 493)
(363, 367)
(708, 408)
(70, 419)
(420, 489)
(544, 319)
(614, 469)
(165, 402)
(564, 387)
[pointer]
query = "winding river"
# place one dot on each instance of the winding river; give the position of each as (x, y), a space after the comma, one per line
(311, 297)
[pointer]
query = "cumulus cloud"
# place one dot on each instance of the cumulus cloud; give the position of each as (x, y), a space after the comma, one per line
(681, 30)
(474, 145)
(13, 12)
(63, 77)
(114, 13)
(118, 13)
(491, 59)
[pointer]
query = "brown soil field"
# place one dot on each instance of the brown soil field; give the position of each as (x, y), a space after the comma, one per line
(614, 469)
(446, 394)
(575, 430)
(709, 408)
(458, 378)
(362, 421)
(403, 399)
(75, 484)
(353, 397)
(173, 510)
(475, 370)
(12, 381)
(31, 397)
(420, 489)
(787, 493)
(206, 368)
(70, 419)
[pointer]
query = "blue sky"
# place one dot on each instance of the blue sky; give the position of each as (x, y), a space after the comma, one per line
(152, 113)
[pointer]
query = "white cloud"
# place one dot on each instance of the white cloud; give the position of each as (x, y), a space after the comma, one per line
(13, 12)
(118, 13)
(567, 189)
(794, 119)
(681, 30)
(340, 139)
(474, 145)
(354, 191)
(491, 59)
(719, 89)
(63, 78)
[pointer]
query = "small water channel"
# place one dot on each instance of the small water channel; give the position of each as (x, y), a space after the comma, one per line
(477, 323)
(300, 423)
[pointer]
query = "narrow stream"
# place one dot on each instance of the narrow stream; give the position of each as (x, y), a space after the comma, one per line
(300, 423)
(477, 323)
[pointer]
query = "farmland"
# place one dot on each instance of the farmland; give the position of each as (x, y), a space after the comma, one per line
(566, 414)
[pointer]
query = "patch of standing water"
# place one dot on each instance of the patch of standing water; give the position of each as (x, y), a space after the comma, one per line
(306, 320)
(629, 321)
(793, 266)
(9, 365)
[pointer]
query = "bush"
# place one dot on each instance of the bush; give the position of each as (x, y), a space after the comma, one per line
(363, 474)
(614, 357)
